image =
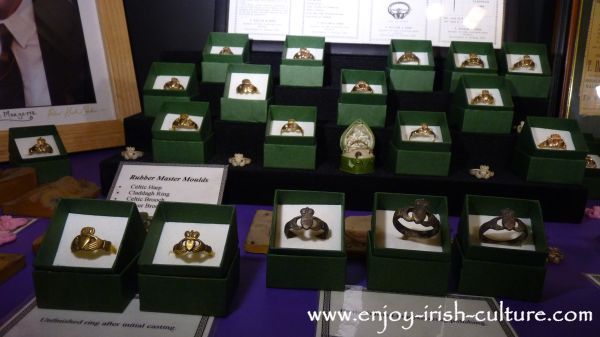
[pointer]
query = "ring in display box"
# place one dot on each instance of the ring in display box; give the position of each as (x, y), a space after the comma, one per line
(411, 65)
(526, 69)
(290, 139)
(420, 144)
(87, 260)
(306, 244)
(418, 261)
(592, 171)
(302, 61)
(363, 96)
(515, 268)
(168, 82)
(221, 50)
(482, 104)
(189, 143)
(247, 93)
(471, 58)
(551, 150)
(177, 272)
(39, 147)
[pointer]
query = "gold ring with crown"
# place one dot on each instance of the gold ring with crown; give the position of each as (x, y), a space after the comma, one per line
(484, 98)
(246, 88)
(423, 131)
(184, 122)
(408, 57)
(553, 142)
(304, 54)
(525, 63)
(291, 127)
(41, 146)
(473, 61)
(226, 51)
(190, 244)
(87, 241)
(173, 84)
(362, 87)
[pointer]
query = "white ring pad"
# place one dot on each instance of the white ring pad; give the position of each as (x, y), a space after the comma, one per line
(161, 80)
(596, 158)
(316, 52)
(214, 235)
(171, 117)
(235, 50)
(111, 228)
(459, 58)
(474, 92)
(24, 144)
(423, 58)
(511, 59)
(541, 134)
(387, 236)
(260, 81)
(276, 125)
(476, 221)
(377, 88)
(405, 131)
(331, 214)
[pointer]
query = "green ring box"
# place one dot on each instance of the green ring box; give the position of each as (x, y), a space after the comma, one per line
(83, 288)
(454, 72)
(184, 147)
(206, 290)
(404, 77)
(408, 270)
(501, 272)
(420, 158)
(526, 84)
(214, 66)
(302, 73)
(246, 110)
(154, 98)
(47, 169)
(550, 166)
(371, 108)
(306, 268)
(297, 152)
(481, 118)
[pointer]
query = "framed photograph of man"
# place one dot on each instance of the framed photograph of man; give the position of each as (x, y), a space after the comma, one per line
(66, 63)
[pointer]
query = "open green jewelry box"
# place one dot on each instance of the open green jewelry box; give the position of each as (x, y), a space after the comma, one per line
(469, 116)
(215, 61)
(459, 52)
(290, 149)
(536, 163)
(370, 107)
(592, 174)
(511, 270)
(247, 107)
(302, 72)
(69, 274)
(411, 76)
(162, 73)
(420, 155)
(413, 265)
(206, 282)
(533, 81)
(186, 146)
(48, 166)
(306, 260)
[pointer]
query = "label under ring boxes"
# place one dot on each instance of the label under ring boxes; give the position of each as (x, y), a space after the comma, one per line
(48, 166)
(469, 116)
(214, 62)
(78, 279)
(549, 165)
(162, 73)
(192, 283)
(412, 265)
(307, 260)
(526, 81)
(411, 76)
(291, 149)
(422, 155)
(247, 107)
(370, 107)
(491, 268)
(459, 52)
(302, 73)
(184, 146)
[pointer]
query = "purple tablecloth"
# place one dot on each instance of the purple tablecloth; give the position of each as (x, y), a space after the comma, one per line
(259, 311)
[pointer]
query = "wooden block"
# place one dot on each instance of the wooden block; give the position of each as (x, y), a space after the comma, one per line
(37, 243)
(257, 240)
(357, 229)
(41, 202)
(15, 182)
(10, 264)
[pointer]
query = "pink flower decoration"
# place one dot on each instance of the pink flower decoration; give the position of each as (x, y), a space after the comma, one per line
(6, 237)
(593, 212)
(8, 223)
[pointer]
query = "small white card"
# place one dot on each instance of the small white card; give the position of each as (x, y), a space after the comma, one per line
(511, 59)
(541, 134)
(24, 144)
(474, 92)
(167, 124)
(147, 184)
(161, 80)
